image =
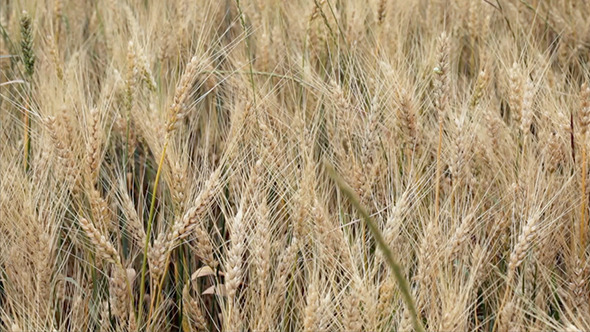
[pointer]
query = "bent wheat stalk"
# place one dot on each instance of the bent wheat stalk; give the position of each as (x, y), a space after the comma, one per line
(395, 267)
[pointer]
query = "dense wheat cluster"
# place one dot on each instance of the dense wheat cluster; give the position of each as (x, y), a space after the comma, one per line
(308, 165)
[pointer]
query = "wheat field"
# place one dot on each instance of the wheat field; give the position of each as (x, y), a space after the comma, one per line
(304, 165)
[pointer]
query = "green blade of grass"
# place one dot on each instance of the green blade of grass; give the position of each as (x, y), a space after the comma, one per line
(395, 267)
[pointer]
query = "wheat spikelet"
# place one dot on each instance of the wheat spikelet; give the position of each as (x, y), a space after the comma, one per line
(507, 318)
(283, 271)
(441, 78)
(527, 112)
(370, 306)
(93, 145)
(427, 263)
(408, 120)
(332, 237)
(554, 152)
(104, 248)
(494, 125)
(461, 235)
(302, 201)
(473, 22)
(130, 77)
(524, 243)
(406, 322)
(192, 310)
(134, 224)
(61, 143)
(181, 228)
(394, 222)
(26, 29)
(352, 319)
(326, 312)
(119, 292)
(381, 9)
(441, 96)
(516, 93)
(452, 317)
(483, 78)
(234, 271)
(577, 286)
(386, 295)
(204, 248)
(44, 262)
(105, 319)
(160, 252)
(145, 73)
(58, 11)
(100, 210)
(177, 109)
(310, 318)
(369, 151)
(263, 61)
(157, 256)
(461, 154)
(340, 127)
(178, 185)
(261, 246)
(55, 57)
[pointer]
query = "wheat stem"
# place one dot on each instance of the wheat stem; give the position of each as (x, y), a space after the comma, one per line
(148, 235)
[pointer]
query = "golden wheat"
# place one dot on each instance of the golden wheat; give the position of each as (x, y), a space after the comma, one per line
(315, 165)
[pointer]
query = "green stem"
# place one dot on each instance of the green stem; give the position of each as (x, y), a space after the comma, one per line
(148, 235)
(395, 267)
